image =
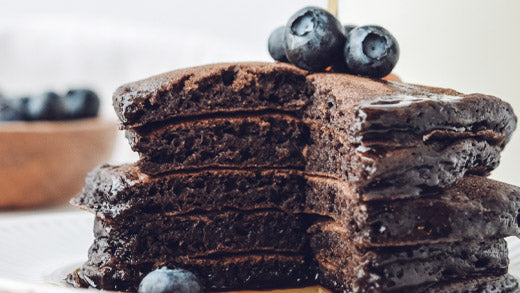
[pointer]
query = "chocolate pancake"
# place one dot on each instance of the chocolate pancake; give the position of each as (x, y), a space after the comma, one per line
(250, 141)
(489, 284)
(208, 233)
(435, 135)
(281, 141)
(235, 233)
(474, 208)
(330, 261)
(224, 272)
(262, 175)
(220, 88)
(384, 269)
(341, 99)
(503, 284)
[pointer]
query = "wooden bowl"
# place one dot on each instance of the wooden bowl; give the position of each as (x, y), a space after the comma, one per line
(44, 163)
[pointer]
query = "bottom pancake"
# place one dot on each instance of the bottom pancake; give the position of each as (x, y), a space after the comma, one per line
(322, 254)
(230, 272)
(344, 267)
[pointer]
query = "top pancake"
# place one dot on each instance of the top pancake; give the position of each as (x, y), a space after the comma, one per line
(358, 105)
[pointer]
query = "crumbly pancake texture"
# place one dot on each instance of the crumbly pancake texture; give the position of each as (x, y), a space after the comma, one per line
(400, 139)
(258, 176)
(475, 208)
(122, 254)
(313, 225)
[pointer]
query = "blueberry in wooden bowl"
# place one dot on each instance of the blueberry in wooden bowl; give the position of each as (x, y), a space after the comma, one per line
(48, 143)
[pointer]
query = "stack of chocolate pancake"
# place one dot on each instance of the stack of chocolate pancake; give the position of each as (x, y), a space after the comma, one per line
(261, 175)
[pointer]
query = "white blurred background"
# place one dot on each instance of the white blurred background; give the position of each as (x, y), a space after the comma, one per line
(468, 45)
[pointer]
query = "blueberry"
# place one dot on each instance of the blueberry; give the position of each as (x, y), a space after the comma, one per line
(164, 280)
(371, 51)
(81, 103)
(276, 44)
(46, 106)
(348, 27)
(13, 109)
(314, 39)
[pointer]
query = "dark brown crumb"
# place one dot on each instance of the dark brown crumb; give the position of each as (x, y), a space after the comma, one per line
(474, 208)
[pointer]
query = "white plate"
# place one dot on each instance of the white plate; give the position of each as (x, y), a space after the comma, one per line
(37, 252)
